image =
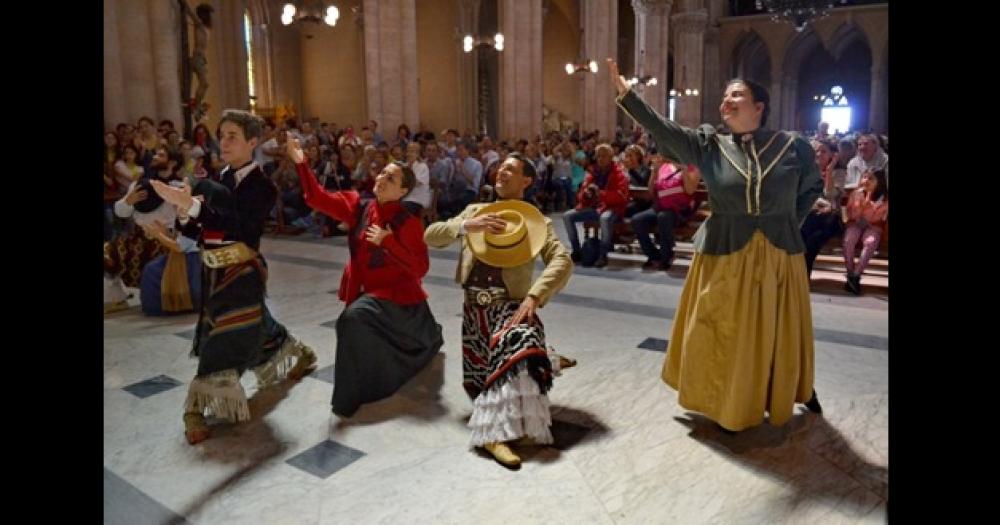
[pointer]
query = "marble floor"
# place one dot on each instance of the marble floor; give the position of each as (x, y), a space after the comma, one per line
(625, 452)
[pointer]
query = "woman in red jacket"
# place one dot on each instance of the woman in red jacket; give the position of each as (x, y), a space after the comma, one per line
(602, 196)
(387, 332)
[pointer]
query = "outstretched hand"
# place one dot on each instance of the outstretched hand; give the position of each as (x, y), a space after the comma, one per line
(180, 197)
(294, 150)
(618, 81)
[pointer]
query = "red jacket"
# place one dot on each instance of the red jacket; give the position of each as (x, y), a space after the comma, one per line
(391, 271)
(614, 196)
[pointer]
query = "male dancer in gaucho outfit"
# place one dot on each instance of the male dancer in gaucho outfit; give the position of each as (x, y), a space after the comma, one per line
(235, 331)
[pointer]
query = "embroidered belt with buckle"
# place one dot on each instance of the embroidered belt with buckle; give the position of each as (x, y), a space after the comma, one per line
(484, 297)
(233, 254)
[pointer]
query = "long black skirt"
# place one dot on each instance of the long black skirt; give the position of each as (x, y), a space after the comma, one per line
(380, 346)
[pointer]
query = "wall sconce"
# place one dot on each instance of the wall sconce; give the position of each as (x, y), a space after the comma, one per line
(468, 43)
(686, 93)
(581, 67)
(647, 80)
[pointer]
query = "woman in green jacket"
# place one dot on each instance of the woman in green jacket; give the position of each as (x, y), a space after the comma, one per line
(742, 339)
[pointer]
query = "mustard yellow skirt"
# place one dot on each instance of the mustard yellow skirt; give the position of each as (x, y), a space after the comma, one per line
(742, 339)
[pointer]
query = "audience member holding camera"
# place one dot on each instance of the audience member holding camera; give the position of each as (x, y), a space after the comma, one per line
(602, 197)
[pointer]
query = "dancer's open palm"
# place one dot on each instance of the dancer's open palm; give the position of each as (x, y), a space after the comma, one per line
(618, 81)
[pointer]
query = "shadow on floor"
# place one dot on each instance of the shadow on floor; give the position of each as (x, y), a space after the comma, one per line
(252, 444)
(800, 454)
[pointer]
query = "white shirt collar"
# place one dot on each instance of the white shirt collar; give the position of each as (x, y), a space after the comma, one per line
(242, 172)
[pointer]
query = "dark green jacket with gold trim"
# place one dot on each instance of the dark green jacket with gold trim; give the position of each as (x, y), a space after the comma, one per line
(768, 182)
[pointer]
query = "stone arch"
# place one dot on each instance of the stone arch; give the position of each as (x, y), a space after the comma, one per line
(797, 49)
(843, 37)
(855, 70)
(811, 69)
(751, 58)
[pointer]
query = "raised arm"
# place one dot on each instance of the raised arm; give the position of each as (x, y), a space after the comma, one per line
(341, 205)
(678, 142)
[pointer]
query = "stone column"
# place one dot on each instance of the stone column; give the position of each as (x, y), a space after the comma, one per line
(468, 14)
(790, 103)
(689, 56)
(652, 23)
(520, 69)
(600, 34)
(164, 25)
(878, 102)
(114, 91)
(135, 49)
(713, 81)
(779, 104)
(391, 64)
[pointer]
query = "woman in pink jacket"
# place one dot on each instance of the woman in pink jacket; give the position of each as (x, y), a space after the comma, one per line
(866, 213)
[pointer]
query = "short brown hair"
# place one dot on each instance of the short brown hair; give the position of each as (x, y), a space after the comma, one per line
(251, 124)
(409, 180)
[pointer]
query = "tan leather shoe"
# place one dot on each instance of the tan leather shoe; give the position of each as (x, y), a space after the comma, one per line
(195, 428)
(503, 454)
(566, 362)
(305, 363)
(110, 308)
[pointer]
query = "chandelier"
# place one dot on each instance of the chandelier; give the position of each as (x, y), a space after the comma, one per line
(797, 12)
(836, 98)
(310, 11)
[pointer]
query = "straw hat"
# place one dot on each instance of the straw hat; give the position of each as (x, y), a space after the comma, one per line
(518, 244)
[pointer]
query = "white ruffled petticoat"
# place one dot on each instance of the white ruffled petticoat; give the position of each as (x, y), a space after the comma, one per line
(510, 410)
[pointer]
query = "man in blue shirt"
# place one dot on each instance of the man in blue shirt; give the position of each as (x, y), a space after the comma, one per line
(463, 188)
